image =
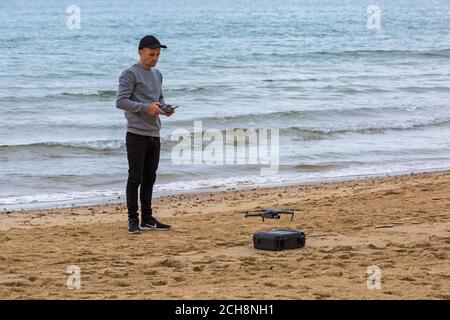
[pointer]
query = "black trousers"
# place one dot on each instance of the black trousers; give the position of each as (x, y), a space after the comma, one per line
(143, 158)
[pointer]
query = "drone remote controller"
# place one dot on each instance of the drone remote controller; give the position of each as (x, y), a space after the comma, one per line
(168, 108)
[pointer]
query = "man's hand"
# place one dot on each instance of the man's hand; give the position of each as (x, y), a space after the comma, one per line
(154, 110)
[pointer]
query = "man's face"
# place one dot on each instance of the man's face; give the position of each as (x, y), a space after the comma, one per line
(149, 57)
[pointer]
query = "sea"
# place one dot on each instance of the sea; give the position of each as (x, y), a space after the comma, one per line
(344, 88)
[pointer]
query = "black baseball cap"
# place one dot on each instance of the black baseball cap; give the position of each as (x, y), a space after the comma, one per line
(150, 42)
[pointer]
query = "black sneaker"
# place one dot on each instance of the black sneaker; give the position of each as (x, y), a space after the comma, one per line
(133, 226)
(153, 224)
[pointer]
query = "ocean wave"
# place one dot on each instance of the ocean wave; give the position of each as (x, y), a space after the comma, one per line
(417, 89)
(99, 145)
(412, 89)
(98, 94)
(108, 95)
(65, 148)
(290, 85)
(72, 124)
(371, 127)
(354, 91)
(295, 132)
(313, 167)
(95, 95)
(328, 129)
(59, 197)
(291, 80)
(295, 114)
(349, 90)
(113, 93)
(384, 53)
(186, 89)
(324, 173)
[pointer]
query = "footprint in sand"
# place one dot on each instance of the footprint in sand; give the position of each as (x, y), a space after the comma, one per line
(150, 272)
(16, 283)
(169, 263)
(112, 273)
(121, 283)
(198, 268)
(440, 255)
(159, 283)
(179, 279)
(322, 295)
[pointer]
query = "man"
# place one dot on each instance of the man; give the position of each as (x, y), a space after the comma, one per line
(140, 95)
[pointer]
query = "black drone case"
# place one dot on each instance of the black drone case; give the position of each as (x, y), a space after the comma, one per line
(279, 240)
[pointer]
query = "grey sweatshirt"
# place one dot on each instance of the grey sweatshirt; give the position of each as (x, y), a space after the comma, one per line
(138, 87)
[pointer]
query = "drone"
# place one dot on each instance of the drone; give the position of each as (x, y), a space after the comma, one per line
(268, 213)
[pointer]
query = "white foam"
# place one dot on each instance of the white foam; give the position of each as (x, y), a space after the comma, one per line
(107, 195)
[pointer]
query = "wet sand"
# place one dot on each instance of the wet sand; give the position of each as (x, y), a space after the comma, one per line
(400, 224)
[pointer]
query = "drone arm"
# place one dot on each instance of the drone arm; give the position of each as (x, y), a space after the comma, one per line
(252, 214)
(291, 212)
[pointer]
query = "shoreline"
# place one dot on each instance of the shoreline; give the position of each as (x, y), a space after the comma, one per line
(112, 200)
(400, 224)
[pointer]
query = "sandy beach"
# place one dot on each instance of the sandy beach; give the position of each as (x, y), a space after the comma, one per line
(400, 224)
